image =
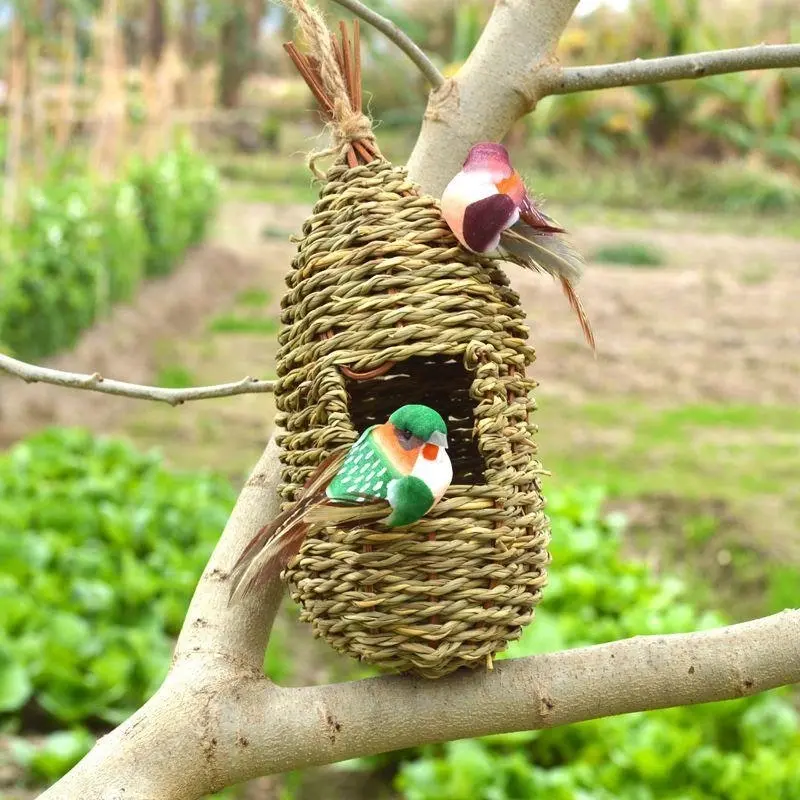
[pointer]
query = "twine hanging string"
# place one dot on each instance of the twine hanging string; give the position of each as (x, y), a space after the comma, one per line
(333, 73)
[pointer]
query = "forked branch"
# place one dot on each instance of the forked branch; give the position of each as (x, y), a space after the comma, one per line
(94, 382)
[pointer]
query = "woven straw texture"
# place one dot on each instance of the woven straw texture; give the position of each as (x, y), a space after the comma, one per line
(378, 278)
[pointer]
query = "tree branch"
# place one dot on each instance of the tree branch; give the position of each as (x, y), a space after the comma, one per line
(247, 727)
(217, 721)
(95, 382)
(396, 35)
(483, 100)
(671, 68)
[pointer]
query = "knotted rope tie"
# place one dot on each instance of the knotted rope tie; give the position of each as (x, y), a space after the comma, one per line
(348, 123)
(348, 126)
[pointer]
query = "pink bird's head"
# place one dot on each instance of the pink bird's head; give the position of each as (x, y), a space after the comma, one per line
(488, 157)
(487, 197)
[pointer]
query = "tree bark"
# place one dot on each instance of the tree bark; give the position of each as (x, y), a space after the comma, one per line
(489, 93)
(217, 720)
(156, 30)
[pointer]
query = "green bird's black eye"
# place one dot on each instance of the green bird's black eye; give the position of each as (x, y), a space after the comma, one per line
(406, 439)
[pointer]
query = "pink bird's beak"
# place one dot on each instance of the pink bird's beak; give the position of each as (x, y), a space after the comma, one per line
(487, 197)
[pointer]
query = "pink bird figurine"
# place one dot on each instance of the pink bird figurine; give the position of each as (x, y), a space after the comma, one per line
(487, 207)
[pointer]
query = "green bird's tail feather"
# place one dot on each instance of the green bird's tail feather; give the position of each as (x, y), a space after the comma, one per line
(271, 549)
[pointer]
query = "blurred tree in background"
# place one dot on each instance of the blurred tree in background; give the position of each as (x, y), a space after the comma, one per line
(753, 115)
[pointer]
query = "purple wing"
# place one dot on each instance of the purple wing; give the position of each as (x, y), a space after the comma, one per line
(485, 220)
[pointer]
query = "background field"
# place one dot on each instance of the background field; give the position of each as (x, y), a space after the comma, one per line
(685, 200)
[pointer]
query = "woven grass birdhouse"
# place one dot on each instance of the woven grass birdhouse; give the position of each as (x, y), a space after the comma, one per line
(385, 308)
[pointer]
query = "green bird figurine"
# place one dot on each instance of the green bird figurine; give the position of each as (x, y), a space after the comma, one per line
(400, 468)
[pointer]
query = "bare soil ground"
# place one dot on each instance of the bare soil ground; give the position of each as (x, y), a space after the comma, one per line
(717, 323)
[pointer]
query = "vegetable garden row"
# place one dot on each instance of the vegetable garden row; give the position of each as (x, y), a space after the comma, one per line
(100, 549)
(80, 245)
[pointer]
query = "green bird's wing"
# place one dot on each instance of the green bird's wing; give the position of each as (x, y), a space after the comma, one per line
(366, 472)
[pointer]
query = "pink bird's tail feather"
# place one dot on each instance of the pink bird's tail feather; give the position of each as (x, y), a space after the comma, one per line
(550, 253)
(577, 307)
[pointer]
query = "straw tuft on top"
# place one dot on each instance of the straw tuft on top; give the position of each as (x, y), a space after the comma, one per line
(333, 73)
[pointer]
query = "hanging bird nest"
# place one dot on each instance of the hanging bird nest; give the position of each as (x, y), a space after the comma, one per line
(385, 308)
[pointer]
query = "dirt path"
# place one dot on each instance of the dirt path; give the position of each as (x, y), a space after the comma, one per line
(717, 323)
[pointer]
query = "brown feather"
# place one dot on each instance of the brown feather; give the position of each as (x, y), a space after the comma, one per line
(339, 513)
(539, 221)
(274, 545)
(577, 307)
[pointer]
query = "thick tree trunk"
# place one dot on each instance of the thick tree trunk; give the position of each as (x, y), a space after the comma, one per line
(188, 31)
(156, 30)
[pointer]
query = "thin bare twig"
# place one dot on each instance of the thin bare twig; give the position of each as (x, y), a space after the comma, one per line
(671, 68)
(95, 382)
(401, 39)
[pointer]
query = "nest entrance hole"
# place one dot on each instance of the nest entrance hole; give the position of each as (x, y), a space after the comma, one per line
(440, 382)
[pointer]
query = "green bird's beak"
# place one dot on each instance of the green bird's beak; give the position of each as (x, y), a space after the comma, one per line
(439, 439)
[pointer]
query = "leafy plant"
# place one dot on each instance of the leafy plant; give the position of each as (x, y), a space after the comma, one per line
(178, 193)
(57, 754)
(81, 246)
(100, 550)
(738, 750)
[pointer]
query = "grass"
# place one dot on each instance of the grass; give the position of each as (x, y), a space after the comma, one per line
(717, 483)
(253, 297)
(175, 376)
(634, 448)
(267, 178)
(660, 182)
(634, 194)
(231, 323)
(636, 254)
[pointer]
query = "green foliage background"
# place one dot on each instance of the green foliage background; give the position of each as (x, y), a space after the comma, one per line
(100, 549)
(737, 750)
(81, 246)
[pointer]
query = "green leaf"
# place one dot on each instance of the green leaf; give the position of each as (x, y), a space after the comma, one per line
(59, 753)
(15, 686)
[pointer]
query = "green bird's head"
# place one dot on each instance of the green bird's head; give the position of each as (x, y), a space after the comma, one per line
(420, 422)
